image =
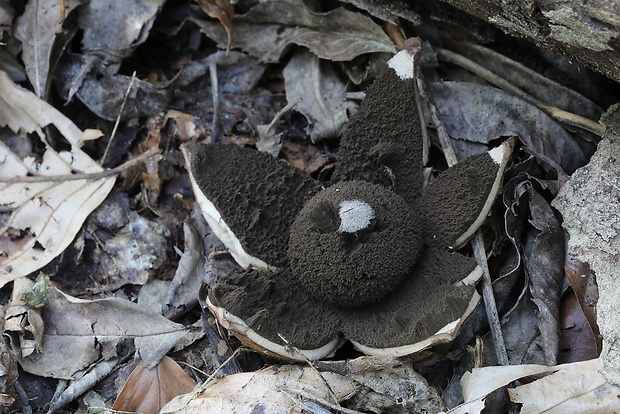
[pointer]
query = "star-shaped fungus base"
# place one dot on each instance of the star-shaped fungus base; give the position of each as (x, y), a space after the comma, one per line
(369, 259)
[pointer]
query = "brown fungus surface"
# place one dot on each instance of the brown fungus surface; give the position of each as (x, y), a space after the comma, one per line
(368, 258)
(354, 268)
(428, 299)
(457, 198)
(382, 144)
(257, 196)
(273, 304)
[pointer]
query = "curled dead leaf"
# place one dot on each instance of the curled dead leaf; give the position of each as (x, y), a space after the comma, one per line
(223, 11)
(148, 390)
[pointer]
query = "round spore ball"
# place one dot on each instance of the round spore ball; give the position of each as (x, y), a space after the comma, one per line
(353, 243)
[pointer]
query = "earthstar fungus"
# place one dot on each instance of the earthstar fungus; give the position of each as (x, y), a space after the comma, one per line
(368, 259)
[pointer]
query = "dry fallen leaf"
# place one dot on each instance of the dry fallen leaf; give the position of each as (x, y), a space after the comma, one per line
(575, 388)
(46, 214)
(479, 113)
(75, 334)
(366, 384)
(223, 11)
(148, 390)
(572, 388)
(270, 27)
(38, 29)
(320, 92)
(543, 252)
(577, 342)
(115, 29)
(6, 17)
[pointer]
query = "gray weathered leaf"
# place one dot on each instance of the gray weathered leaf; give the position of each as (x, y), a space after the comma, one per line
(37, 29)
(322, 94)
(480, 113)
(544, 264)
(271, 26)
(115, 29)
(78, 333)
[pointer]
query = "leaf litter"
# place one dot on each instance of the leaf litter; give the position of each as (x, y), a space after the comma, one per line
(269, 53)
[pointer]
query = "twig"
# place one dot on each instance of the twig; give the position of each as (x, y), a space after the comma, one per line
(478, 245)
(298, 351)
(442, 133)
(81, 176)
(215, 124)
(23, 397)
(321, 401)
(556, 113)
(118, 118)
(206, 383)
(281, 112)
(489, 301)
(414, 46)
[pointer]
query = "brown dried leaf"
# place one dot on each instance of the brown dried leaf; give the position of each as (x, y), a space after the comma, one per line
(148, 390)
(272, 26)
(544, 264)
(577, 341)
(104, 94)
(46, 215)
(583, 282)
(320, 93)
(223, 11)
(23, 324)
(575, 388)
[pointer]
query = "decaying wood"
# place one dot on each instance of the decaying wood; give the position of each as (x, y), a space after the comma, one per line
(586, 32)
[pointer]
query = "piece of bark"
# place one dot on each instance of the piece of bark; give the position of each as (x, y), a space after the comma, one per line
(587, 32)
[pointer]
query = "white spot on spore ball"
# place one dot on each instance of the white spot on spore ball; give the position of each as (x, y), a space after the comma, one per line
(355, 215)
(402, 63)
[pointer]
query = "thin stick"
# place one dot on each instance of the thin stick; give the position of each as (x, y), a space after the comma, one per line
(479, 252)
(281, 112)
(206, 383)
(215, 124)
(414, 46)
(489, 301)
(321, 401)
(118, 118)
(23, 397)
(558, 114)
(199, 389)
(81, 176)
(298, 351)
(442, 133)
